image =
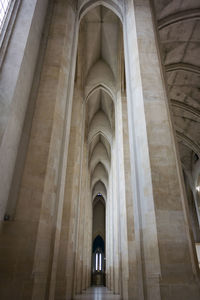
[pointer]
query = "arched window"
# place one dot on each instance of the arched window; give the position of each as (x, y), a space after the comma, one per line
(98, 255)
(4, 8)
(8, 13)
(98, 261)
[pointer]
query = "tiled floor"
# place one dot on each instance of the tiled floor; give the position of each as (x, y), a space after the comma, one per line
(97, 293)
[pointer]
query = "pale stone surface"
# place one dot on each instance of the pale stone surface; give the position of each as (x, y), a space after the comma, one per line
(198, 252)
(100, 293)
(101, 157)
(15, 85)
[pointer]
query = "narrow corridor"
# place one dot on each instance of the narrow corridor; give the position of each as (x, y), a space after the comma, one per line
(97, 293)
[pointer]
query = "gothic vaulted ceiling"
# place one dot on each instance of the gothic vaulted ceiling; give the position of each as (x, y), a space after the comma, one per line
(99, 45)
(178, 23)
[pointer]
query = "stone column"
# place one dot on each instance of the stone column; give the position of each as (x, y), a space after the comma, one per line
(87, 204)
(107, 250)
(169, 269)
(109, 235)
(111, 229)
(115, 223)
(134, 257)
(33, 229)
(81, 219)
(89, 243)
(67, 246)
(87, 235)
(16, 78)
(129, 259)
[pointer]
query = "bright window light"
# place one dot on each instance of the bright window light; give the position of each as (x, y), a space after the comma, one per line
(198, 188)
(96, 261)
(100, 262)
(4, 7)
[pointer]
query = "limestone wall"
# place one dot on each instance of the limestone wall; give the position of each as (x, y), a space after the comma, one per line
(100, 127)
(17, 73)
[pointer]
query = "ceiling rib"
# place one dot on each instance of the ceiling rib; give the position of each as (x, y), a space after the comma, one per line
(188, 142)
(186, 107)
(182, 67)
(179, 17)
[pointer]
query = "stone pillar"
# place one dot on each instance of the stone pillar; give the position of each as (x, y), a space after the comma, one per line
(87, 236)
(83, 225)
(134, 257)
(109, 235)
(16, 78)
(67, 246)
(30, 237)
(114, 220)
(128, 250)
(108, 240)
(81, 219)
(111, 229)
(169, 267)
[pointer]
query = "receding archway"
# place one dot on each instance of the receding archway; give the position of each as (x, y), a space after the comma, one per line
(99, 60)
(98, 241)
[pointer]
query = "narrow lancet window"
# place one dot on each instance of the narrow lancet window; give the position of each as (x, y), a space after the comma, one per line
(99, 261)
(96, 261)
(4, 8)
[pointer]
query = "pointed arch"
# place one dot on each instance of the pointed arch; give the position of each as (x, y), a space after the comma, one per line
(100, 74)
(99, 188)
(99, 138)
(99, 173)
(110, 4)
(102, 87)
(100, 124)
(99, 154)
